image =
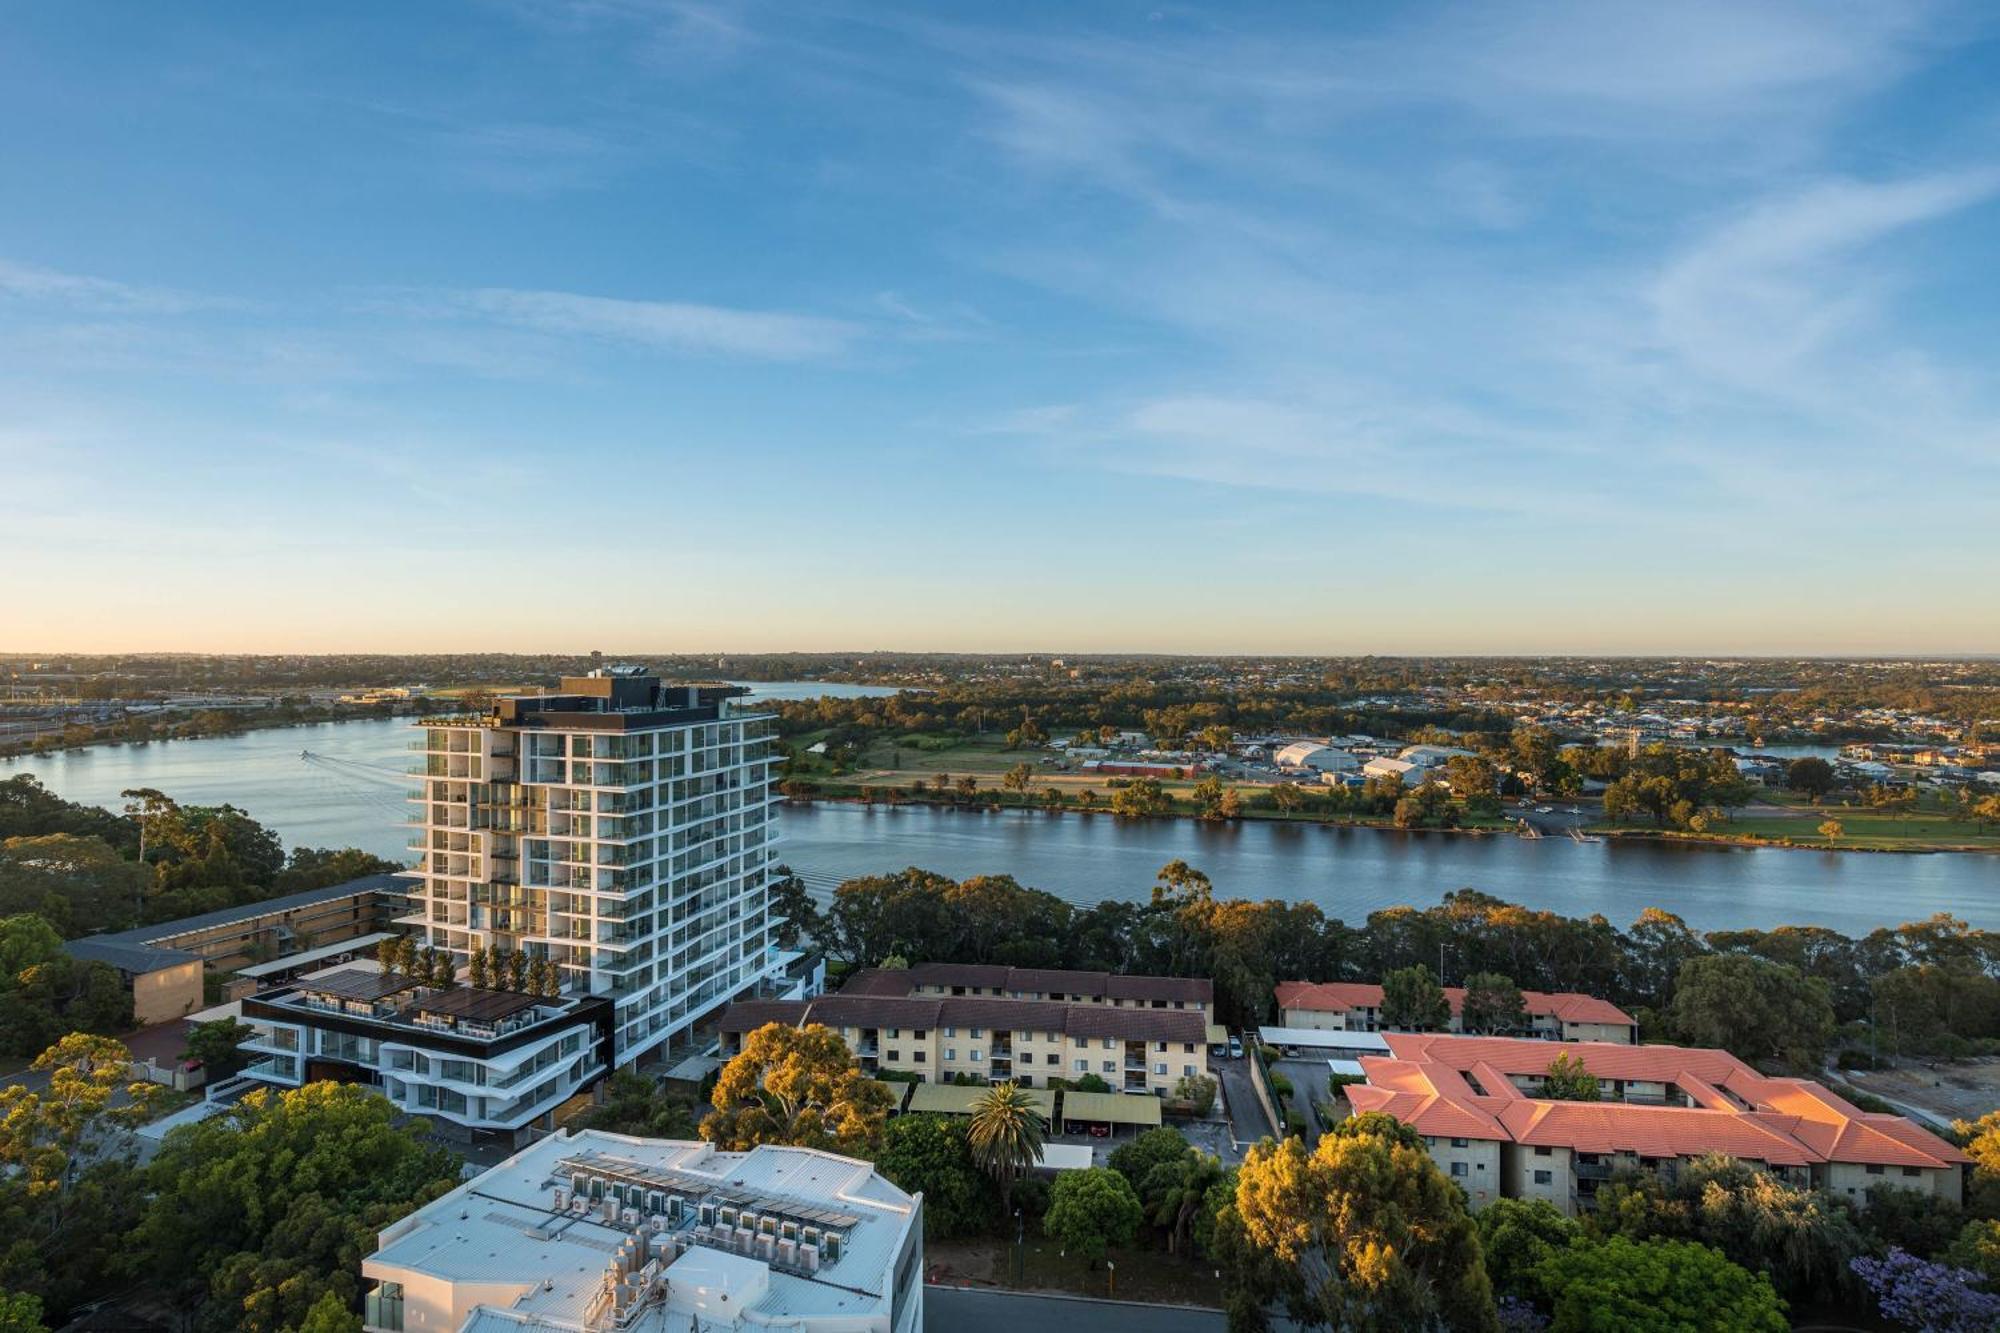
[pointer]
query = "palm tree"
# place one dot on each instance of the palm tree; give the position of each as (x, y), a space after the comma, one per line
(1006, 1136)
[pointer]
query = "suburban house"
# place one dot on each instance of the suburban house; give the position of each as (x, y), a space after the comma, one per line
(1477, 1102)
(1357, 1006)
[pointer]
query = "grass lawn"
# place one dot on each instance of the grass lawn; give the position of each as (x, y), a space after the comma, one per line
(980, 756)
(1861, 830)
(1141, 1275)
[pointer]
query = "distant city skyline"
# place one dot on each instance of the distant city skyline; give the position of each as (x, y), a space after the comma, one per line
(713, 327)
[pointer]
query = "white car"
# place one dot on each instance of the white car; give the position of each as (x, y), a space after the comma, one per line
(1544, 810)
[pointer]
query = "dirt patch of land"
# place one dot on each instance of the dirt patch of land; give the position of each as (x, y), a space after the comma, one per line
(1964, 1090)
(1133, 1275)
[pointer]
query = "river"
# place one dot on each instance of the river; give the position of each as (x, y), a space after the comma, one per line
(356, 800)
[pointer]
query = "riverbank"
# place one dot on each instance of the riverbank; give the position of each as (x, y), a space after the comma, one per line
(1862, 831)
(214, 724)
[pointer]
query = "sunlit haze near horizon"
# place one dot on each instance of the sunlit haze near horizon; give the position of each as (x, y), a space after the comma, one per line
(1538, 328)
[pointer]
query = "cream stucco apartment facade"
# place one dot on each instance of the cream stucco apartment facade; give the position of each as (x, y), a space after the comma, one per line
(1477, 1102)
(996, 1024)
(1355, 1006)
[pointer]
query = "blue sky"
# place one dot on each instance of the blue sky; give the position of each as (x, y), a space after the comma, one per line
(686, 326)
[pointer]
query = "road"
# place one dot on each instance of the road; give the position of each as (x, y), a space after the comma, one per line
(955, 1310)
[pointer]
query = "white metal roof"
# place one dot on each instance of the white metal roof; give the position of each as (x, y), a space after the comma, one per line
(1064, 1157)
(500, 1238)
(1331, 1039)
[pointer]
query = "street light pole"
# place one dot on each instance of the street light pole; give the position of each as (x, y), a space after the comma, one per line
(1020, 1249)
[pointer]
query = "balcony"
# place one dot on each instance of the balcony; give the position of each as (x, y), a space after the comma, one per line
(382, 1309)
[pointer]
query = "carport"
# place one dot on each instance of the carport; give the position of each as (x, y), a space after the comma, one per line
(1111, 1109)
(956, 1099)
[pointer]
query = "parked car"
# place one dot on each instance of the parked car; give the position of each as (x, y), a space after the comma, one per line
(1235, 1049)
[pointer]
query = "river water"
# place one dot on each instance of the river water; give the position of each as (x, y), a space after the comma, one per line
(356, 800)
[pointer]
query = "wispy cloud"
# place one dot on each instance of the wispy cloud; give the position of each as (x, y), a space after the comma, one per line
(761, 335)
(71, 291)
(1758, 296)
(526, 158)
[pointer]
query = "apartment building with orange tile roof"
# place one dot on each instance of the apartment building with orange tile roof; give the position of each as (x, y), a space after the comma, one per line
(1356, 1006)
(1477, 1102)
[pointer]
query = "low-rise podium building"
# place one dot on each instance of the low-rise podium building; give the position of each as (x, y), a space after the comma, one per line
(592, 1231)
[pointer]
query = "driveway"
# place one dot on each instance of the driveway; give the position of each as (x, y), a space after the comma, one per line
(1246, 1115)
(1308, 1082)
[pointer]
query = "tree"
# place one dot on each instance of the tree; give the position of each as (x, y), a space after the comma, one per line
(1516, 1235)
(1091, 1210)
(1568, 1081)
(30, 810)
(1831, 829)
(1471, 776)
(1933, 1297)
(1208, 794)
(1810, 775)
(1140, 799)
(1492, 1003)
(330, 1315)
(1368, 1231)
(1657, 944)
(45, 1134)
(1135, 1158)
(1412, 1001)
(1286, 797)
(257, 1214)
(1005, 1136)
(1981, 1140)
(1175, 1192)
(389, 954)
(630, 1103)
(218, 1046)
(929, 1153)
(476, 975)
(21, 1313)
(77, 884)
(321, 867)
(796, 1086)
(1977, 1247)
(517, 971)
(1753, 1008)
(1800, 1238)
(1659, 1286)
(797, 916)
(1429, 806)
(1198, 1092)
(27, 941)
(1018, 778)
